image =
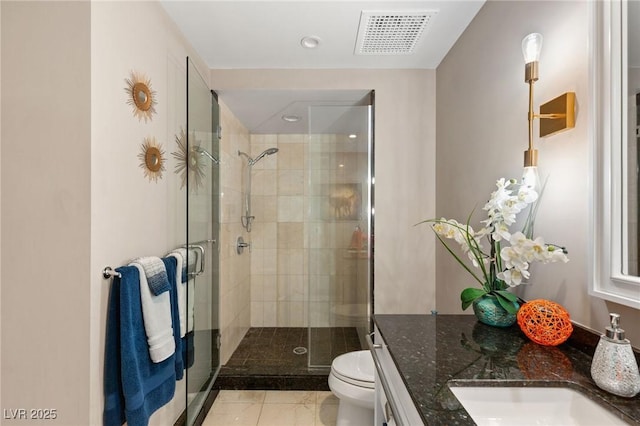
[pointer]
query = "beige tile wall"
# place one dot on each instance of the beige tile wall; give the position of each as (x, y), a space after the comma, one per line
(235, 270)
(279, 284)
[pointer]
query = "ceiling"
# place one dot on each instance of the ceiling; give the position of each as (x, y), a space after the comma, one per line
(267, 34)
(261, 34)
(316, 111)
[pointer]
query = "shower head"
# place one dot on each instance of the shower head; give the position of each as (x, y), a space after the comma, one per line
(251, 161)
(269, 151)
(206, 153)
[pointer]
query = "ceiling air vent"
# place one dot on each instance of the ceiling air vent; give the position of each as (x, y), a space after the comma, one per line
(391, 32)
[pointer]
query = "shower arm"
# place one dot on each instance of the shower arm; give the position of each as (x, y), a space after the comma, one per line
(206, 153)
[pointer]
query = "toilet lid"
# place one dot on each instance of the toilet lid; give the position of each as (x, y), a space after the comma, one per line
(357, 366)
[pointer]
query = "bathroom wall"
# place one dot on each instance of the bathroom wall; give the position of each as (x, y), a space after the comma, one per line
(404, 168)
(46, 227)
(78, 198)
(130, 215)
(235, 270)
(481, 114)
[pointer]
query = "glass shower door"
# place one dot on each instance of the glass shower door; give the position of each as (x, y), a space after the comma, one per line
(203, 177)
(339, 246)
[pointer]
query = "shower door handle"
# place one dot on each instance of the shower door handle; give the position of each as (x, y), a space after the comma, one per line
(202, 253)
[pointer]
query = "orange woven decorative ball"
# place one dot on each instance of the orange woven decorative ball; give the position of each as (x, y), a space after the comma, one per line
(545, 322)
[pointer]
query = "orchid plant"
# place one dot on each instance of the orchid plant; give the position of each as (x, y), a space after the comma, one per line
(506, 263)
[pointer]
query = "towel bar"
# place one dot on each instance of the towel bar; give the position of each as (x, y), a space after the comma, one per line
(108, 272)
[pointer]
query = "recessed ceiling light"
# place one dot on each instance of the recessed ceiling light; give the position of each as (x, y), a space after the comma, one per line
(353, 136)
(310, 42)
(291, 118)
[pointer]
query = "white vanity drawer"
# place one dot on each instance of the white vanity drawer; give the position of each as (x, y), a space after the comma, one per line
(394, 406)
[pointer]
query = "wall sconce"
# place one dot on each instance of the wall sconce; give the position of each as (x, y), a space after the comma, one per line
(555, 116)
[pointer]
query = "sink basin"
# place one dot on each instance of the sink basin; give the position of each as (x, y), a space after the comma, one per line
(519, 406)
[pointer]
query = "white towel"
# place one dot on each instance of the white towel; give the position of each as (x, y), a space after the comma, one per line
(156, 313)
(191, 294)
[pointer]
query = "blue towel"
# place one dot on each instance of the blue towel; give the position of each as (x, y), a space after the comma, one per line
(188, 350)
(155, 272)
(135, 387)
(171, 264)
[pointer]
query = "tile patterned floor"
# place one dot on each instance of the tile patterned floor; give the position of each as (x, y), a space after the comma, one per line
(273, 408)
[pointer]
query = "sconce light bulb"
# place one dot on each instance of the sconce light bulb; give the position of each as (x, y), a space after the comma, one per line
(531, 47)
(530, 178)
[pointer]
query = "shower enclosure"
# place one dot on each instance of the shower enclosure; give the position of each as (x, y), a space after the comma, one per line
(312, 246)
(202, 190)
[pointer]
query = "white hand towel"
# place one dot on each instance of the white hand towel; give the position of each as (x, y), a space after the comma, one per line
(156, 313)
(186, 292)
(191, 293)
(181, 290)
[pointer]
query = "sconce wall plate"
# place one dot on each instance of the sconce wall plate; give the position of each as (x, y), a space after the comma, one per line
(558, 114)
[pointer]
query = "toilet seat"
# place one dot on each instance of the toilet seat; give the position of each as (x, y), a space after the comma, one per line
(355, 368)
(351, 381)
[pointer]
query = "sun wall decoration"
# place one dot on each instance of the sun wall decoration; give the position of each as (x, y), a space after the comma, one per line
(141, 96)
(189, 162)
(151, 159)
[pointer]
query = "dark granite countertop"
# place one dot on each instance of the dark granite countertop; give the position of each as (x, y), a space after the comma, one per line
(432, 352)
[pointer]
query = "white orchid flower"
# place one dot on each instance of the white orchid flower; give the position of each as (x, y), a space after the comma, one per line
(516, 251)
(513, 277)
(501, 232)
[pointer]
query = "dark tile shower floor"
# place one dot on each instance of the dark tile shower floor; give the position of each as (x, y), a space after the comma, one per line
(265, 358)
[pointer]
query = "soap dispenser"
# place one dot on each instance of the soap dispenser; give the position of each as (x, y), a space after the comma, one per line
(614, 367)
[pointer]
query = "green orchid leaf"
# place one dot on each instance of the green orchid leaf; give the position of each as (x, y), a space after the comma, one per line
(508, 305)
(468, 295)
(507, 295)
(459, 260)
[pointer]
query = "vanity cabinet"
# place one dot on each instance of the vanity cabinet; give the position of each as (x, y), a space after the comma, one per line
(394, 406)
(418, 357)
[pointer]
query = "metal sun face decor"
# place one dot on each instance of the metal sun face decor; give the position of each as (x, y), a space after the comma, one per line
(189, 162)
(151, 159)
(140, 96)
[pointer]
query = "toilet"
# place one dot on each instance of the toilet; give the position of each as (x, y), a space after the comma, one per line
(352, 381)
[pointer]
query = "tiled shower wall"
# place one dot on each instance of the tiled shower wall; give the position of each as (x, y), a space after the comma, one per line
(278, 258)
(235, 276)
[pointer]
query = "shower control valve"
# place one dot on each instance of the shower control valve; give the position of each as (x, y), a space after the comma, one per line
(241, 245)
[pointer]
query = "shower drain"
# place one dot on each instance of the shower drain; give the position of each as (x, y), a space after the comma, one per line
(300, 350)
